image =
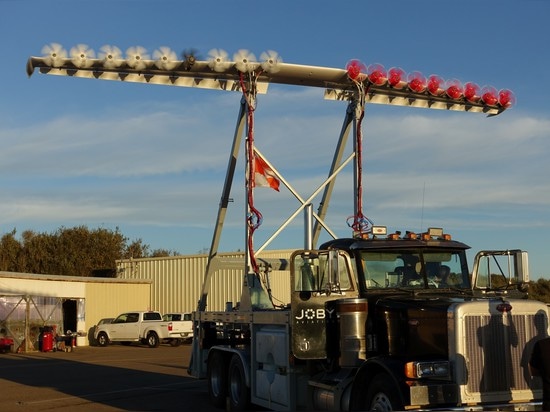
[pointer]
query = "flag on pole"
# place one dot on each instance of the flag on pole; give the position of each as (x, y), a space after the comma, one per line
(264, 176)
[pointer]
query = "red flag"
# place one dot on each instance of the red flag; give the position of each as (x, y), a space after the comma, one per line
(264, 176)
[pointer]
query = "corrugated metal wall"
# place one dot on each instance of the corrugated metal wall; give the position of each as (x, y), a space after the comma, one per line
(107, 299)
(177, 280)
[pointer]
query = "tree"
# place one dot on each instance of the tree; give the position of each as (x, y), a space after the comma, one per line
(76, 251)
(540, 290)
(10, 250)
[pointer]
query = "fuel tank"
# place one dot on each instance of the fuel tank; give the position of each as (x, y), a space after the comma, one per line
(346, 337)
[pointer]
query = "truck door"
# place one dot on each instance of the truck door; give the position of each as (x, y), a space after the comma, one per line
(131, 327)
(125, 327)
(318, 278)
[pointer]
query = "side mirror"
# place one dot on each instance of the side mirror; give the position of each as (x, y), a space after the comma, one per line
(497, 269)
(523, 287)
(522, 265)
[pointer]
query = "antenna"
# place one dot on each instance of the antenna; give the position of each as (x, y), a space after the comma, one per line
(422, 212)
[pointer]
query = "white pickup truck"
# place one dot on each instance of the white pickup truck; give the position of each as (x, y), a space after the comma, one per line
(181, 327)
(144, 327)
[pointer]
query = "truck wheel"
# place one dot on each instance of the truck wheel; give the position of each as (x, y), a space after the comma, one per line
(175, 342)
(217, 379)
(153, 340)
(382, 395)
(102, 339)
(239, 394)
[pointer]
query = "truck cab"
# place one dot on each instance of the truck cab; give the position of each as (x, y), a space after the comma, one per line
(413, 328)
(382, 266)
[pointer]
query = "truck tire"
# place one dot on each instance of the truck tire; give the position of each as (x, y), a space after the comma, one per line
(382, 395)
(217, 379)
(153, 340)
(102, 339)
(176, 342)
(239, 393)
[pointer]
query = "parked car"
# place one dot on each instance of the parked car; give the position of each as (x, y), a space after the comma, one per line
(103, 321)
(180, 328)
(147, 328)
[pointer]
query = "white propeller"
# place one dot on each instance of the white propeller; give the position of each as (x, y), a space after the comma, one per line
(218, 60)
(136, 56)
(245, 61)
(165, 58)
(54, 54)
(82, 56)
(271, 61)
(111, 56)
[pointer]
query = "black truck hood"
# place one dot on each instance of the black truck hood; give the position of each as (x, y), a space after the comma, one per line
(412, 325)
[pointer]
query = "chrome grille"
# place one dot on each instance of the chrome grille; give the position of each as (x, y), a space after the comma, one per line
(493, 349)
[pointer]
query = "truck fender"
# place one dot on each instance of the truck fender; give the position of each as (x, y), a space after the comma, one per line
(155, 329)
(243, 355)
(145, 331)
(372, 367)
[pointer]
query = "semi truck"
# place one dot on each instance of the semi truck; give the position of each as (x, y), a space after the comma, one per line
(390, 322)
(379, 320)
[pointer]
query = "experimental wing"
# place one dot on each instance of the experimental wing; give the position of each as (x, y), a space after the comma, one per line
(220, 72)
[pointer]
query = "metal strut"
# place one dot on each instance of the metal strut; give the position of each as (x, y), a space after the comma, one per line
(224, 203)
(245, 126)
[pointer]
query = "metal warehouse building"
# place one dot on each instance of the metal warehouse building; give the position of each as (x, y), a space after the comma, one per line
(177, 281)
(28, 302)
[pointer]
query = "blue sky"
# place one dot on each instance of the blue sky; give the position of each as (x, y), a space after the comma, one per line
(151, 159)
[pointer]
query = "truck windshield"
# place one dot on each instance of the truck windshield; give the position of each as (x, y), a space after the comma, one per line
(415, 269)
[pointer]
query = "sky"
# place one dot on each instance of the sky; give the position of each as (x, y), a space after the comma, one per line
(150, 160)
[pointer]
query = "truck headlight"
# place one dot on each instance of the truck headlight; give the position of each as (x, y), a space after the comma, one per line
(416, 370)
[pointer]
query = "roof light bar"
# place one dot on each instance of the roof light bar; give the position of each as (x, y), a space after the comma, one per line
(394, 236)
(435, 231)
(379, 230)
(411, 235)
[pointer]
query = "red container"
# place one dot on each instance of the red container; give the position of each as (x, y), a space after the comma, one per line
(47, 341)
(6, 344)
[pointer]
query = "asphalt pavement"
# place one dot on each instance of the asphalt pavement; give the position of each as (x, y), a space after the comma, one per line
(113, 378)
